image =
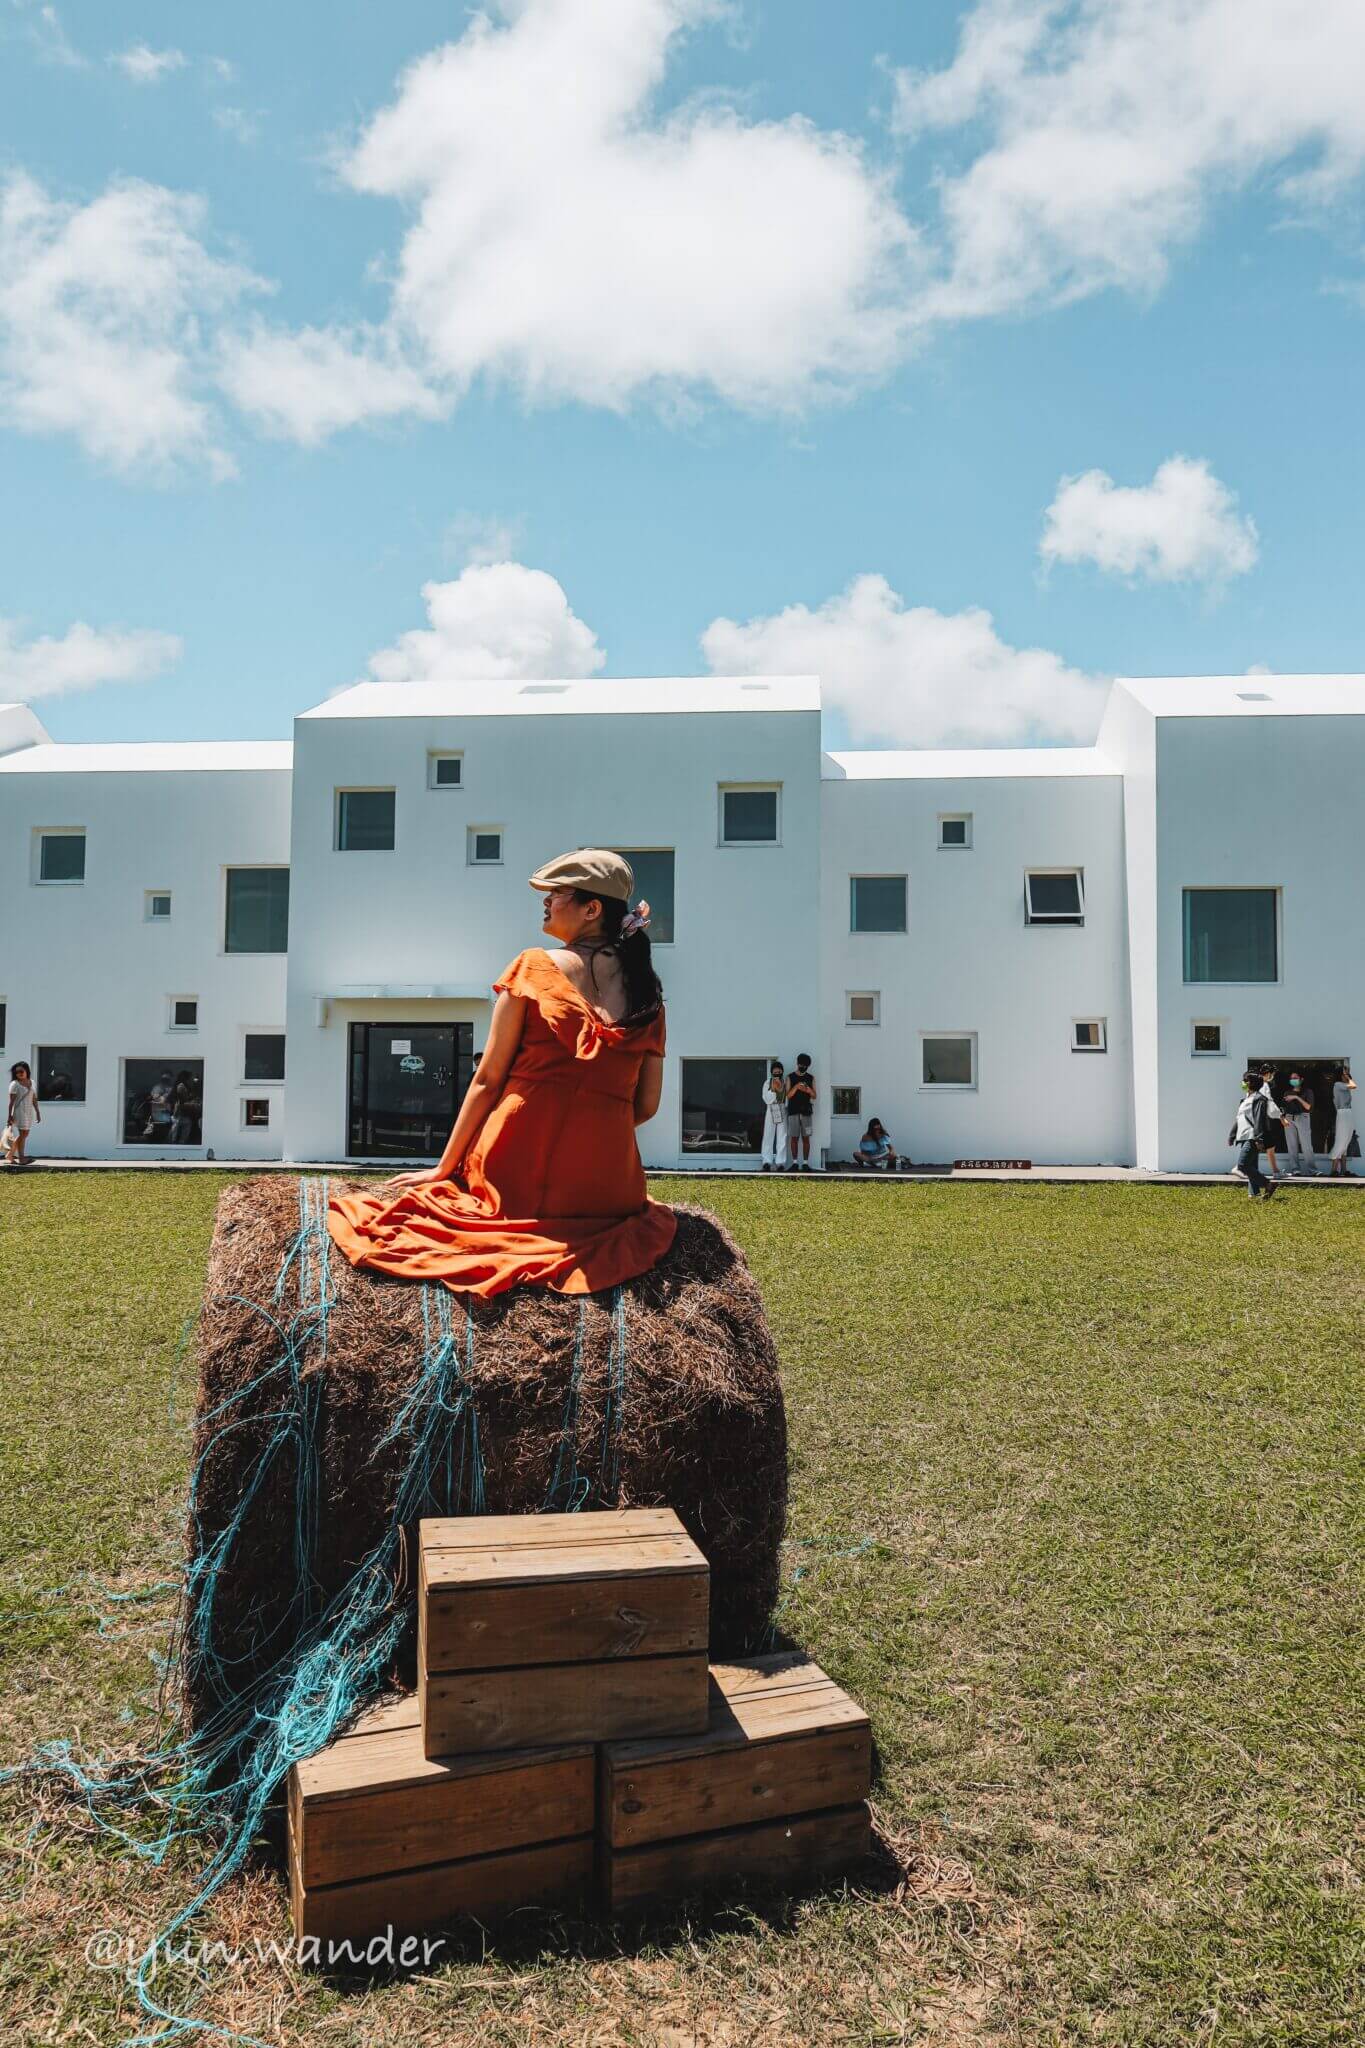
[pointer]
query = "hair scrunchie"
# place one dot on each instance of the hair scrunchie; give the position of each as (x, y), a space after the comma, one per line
(636, 920)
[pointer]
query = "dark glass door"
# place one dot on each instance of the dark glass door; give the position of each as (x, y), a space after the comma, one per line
(406, 1083)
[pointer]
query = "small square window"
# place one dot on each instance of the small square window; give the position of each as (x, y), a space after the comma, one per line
(61, 1073)
(255, 1112)
(485, 846)
(1089, 1034)
(1054, 896)
(863, 1006)
(156, 906)
(848, 1102)
(948, 1059)
(263, 1056)
(877, 903)
(184, 1013)
(1207, 1040)
(749, 814)
(61, 856)
(445, 771)
(954, 829)
(365, 819)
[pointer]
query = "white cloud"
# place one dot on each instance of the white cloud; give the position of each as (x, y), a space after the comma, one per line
(147, 66)
(49, 38)
(308, 384)
(1111, 127)
(570, 239)
(913, 677)
(83, 657)
(1182, 527)
(101, 320)
(496, 621)
(238, 123)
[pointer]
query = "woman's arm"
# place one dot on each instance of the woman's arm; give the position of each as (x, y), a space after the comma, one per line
(649, 1087)
(490, 1078)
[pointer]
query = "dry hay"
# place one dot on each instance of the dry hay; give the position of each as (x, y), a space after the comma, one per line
(703, 1429)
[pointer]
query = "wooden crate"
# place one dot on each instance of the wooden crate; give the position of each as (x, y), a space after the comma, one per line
(774, 1790)
(382, 1836)
(539, 1629)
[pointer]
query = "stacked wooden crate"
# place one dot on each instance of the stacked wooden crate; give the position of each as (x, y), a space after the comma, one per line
(567, 1726)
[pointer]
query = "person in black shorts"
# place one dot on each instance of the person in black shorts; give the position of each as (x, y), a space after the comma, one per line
(801, 1111)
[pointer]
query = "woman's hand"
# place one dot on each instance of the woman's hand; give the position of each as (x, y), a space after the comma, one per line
(422, 1177)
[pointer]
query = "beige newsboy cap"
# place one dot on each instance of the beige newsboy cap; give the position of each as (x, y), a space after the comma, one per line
(591, 867)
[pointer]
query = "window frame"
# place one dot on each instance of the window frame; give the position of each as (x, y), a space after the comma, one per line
(1056, 920)
(273, 867)
(1102, 1022)
(963, 818)
(41, 834)
(473, 833)
(4, 1022)
(724, 789)
(723, 1059)
(1273, 890)
(847, 1088)
(245, 1080)
(171, 1025)
(438, 754)
(951, 1087)
(149, 897)
(858, 931)
(126, 1144)
(1204, 1052)
(247, 1123)
(872, 1023)
(60, 1101)
(339, 795)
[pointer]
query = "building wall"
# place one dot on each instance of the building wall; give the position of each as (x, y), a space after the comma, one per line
(969, 963)
(741, 978)
(80, 965)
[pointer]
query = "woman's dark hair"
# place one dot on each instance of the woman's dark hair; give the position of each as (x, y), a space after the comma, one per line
(20, 1067)
(644, 990)
(874, 1123)
(774, 1066)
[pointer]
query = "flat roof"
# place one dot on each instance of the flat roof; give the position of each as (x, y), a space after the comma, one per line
(1248, 696)
(933, 764)
(133, 756)
(623, 695)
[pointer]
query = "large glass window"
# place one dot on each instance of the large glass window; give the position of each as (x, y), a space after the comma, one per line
(949, 1060)
(163, 1104)
(263, 1057)
(365, 820)
(722, 1105)
(654, 882)
(61, 1073)
(257, 910)
(1054, 896)
(749, 817)
(1231, 935)
(407, 1084)
(877, 903)
(61, 857)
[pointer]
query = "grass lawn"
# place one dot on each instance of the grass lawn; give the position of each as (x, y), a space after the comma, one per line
(1106, 1443)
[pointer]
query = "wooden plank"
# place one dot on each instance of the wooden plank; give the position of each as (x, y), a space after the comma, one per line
(737, 1786)
(785, 1853)
(476, 1532)
(641, 1614)
(383, 1750)
(760, 1699)
(531, 1706)
(411, 1901)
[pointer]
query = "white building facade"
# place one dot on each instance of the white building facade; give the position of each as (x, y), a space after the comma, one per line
(1065, 955)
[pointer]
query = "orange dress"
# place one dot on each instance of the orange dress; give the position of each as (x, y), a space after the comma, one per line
(552, 1193)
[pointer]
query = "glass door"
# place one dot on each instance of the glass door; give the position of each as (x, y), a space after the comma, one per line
(406, 1083)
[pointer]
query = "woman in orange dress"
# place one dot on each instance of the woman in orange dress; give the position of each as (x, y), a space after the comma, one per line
(540, 1183)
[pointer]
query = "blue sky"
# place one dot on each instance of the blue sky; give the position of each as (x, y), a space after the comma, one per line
(686, 352)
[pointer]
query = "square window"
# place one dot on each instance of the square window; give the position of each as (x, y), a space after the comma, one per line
(163, 1105)
(877, 903)
(485, 846)
(445, 771)
(1089, 1034)
(722, 1105)
(365, 820)
(61, 856)
(263, 1056)
(1054, 896)
(1207, 1040)
(863, 1006)
(749, 814)
(156, 906)
(257, 911)
(61, 1073)
(848, 1102)
(184, 1013)
(255, 1113)
(954, 829)
(1231, 934)
(653, 871)
(948, 1059)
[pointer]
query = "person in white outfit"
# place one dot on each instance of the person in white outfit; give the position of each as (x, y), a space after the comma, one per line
(774, 1147)
(21, 1114)
(1298, 1126)
(1343, 1101)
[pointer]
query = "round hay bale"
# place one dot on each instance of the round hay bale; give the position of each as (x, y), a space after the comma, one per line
(701, 1428)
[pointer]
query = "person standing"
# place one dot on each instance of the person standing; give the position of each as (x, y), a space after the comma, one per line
(21, 1113)
(1274, 1121)
(801, 1112)
(774, 1147)
(1248, 1135)
(1343, 1102)
(1298, 1126)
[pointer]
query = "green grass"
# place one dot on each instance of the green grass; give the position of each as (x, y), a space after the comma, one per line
(1106, 1443)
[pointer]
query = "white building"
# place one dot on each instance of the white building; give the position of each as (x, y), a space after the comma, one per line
(1065, 954)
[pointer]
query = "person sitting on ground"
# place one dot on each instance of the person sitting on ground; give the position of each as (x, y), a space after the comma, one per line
(801, 1111)
(875, 1148)
(1248, 1135)
(1343, 1101)
(774, 1147)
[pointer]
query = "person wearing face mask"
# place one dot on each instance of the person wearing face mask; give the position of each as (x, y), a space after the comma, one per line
(1298, 1126)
